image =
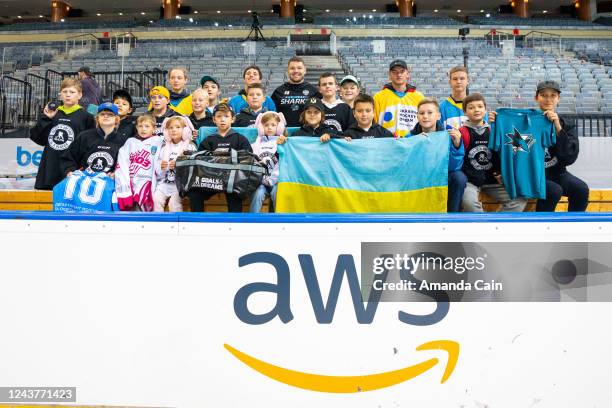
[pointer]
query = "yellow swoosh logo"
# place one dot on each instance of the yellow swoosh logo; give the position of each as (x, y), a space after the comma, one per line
(357, 383)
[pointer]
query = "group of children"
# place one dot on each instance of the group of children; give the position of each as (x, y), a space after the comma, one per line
(141, 153)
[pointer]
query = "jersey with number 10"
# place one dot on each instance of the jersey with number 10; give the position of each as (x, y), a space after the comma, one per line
(521, 137)
(85, 192)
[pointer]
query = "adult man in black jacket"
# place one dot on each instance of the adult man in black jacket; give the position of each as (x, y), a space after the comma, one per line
(290, 97)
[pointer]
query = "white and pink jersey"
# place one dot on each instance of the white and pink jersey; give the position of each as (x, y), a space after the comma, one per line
(135, 173)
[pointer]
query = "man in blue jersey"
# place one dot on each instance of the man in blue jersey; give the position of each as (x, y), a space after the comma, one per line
(451, 109)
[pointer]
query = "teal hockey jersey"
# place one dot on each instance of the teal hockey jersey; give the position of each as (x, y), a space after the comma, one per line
(521, 137)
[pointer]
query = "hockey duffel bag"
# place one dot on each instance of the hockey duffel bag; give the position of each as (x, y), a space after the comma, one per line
(231, 171)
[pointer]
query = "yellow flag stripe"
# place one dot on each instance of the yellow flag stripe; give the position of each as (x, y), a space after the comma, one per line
(303, 198)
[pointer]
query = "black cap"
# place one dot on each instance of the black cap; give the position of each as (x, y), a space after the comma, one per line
(86, 70)
(123, 94)
(314, 102)
(225, 106)
(548, 84)
(398, 63)
(208, 78)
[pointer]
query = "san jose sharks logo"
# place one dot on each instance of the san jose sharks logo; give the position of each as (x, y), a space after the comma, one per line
(519, 142)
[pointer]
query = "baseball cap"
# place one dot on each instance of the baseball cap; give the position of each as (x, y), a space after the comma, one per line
(208, 78)
(349, 78)
(107, 106)
(314, 102)
(123, 94)
(223, 106)
(85, 69)
(398, 63)
(548, 84)
(160, 90)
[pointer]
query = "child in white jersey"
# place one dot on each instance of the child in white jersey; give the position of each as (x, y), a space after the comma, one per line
(135, 171)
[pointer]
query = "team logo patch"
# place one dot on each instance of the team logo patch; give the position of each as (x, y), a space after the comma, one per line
(287, 92)
(100, 162)
(306, 92)
(549, 161)
(480, 158)
(334, 123)
(60, 137)
(519, 142)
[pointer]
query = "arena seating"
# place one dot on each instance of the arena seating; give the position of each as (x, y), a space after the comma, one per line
(503, 80)
(509, 20)
(379, 20)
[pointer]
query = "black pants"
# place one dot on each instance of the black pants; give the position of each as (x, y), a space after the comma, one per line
(197, 198)
(565, 184)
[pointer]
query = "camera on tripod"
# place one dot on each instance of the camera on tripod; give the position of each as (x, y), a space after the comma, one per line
(256, 24)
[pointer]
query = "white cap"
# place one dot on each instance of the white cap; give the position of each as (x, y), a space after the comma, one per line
(350, 78)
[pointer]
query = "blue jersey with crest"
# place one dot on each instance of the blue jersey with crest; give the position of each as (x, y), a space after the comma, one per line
(85, 192)
(451, 114)
(521, 137)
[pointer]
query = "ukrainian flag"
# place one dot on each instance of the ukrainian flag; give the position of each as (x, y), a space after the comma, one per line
(364, 176)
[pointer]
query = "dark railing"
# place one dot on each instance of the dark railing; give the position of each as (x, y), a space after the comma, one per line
(591, 125)
(16, 105)
(110, 88)
(40, 93)
(110, 81)
(134, 87)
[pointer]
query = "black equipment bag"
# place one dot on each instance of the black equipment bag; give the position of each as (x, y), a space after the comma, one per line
(224, 170)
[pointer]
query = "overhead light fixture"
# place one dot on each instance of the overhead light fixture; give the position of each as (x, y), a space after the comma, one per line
(18, 16)
(303, 18)
(98, 14)
(218, 11)
(373, 10)
(458, 11)
(143, 13)
(482, 11)
(178, 17)
(230, 26)
(248, 11)
(436, 10)
(370, 16)
(327, 10)
(62, 20)
(120, 14)
(544, 11)
(487, 15)
(216, 24)
(190, 20)
(351, 10)
(195, 12)
(348, 20)
(41, 16)
(151, 21)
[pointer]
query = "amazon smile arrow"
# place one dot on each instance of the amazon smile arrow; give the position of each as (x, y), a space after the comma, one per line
(357, 383)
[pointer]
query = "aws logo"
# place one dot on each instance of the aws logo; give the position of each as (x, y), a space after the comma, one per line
(324, 314)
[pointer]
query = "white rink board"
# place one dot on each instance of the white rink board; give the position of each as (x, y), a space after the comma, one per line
(137, 313)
